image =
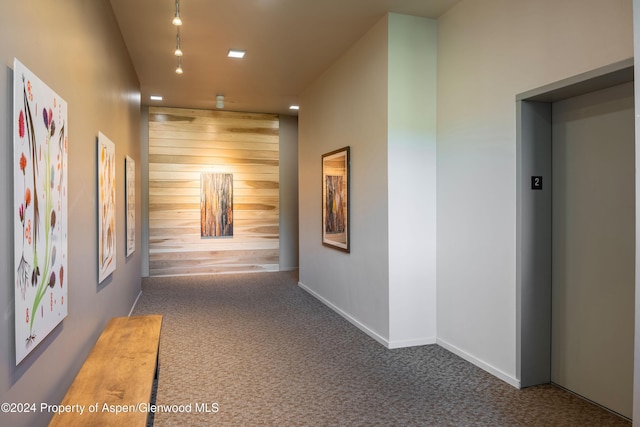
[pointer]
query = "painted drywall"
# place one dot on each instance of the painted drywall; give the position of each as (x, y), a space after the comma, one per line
(393, 181)
(288, 192)
(636, 352)
(347, 106)
(144, 185)
(75, 47)
(412, 180)
(487, 53)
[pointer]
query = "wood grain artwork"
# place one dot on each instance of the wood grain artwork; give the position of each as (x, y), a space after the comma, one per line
(216, 205)
(184, 145)
(335, 199)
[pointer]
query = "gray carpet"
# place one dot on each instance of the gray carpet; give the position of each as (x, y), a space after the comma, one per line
(265, 353)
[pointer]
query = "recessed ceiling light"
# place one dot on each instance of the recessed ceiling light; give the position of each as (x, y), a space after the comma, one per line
(294, 107)
(155, 98)
(236, 53)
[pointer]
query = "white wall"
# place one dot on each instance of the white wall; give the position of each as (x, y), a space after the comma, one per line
(412, 180)
(380, 99)
(76, 48)
(347, 106)
(487, 53)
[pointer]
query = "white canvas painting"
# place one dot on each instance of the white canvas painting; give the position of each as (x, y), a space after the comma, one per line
(40, 146)
(130, 197)
(106, 207)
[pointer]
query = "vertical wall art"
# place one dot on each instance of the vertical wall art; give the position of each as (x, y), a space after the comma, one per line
(130, 199)
(106, 207)
(40, 209)
(216, 205)
(335, 199)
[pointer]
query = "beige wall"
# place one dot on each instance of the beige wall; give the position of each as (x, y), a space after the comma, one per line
(636, 358)
(288, 193)
(75, 47)
(487, 53)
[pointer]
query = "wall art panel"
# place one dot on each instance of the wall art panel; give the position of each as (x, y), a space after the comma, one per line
(335, 199)
(216, 205)
(106, 207)
(40, 209)
(130, 199)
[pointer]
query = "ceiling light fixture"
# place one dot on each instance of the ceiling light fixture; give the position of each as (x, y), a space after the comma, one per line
(294, 107)
(178, 51)
(179, 68)
(233, 53)
(155, 98)
(219, 101)
(176, 19)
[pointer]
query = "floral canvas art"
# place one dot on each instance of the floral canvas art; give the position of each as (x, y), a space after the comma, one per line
(40, 209)
(130, 200)
(106, 207)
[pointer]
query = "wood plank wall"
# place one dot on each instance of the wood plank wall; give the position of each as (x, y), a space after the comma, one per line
(183, 144)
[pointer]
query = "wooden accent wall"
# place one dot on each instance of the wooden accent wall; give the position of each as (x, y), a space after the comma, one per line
(183, 144)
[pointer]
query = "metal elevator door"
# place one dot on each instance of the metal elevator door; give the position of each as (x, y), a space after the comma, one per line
(593, 246)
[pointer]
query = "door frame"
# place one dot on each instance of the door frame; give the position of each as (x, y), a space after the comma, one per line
(533, 214)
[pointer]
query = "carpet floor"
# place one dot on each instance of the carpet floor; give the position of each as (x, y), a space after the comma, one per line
(256, 350)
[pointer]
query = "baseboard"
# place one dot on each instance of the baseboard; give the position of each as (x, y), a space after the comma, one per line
(347, 316)
(479, 363)
(412, 342)
(134, 303)
(415, 342)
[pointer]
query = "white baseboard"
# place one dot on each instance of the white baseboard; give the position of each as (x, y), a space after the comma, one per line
(348, 317)
(412, 342)
(134, 303)
(415, 342)
(364, 328)
(479, 363)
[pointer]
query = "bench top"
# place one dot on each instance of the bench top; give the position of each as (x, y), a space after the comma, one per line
(119, 373)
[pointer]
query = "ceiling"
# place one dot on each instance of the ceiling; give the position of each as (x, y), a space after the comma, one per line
(288, 44)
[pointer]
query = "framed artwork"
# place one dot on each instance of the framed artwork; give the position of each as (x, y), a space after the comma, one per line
(106, 207)
(40, 213)
(335, 199)
(216, 205)
(130, 201)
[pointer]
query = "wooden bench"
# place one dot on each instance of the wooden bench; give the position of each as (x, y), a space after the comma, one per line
(118, 376)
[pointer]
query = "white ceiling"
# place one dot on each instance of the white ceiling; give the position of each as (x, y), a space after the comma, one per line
(289, 43)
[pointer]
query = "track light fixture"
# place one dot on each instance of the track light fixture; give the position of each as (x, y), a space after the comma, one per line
(178, 51)
(176, 19)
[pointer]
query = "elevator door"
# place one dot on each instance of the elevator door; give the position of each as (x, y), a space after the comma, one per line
(593, 246)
